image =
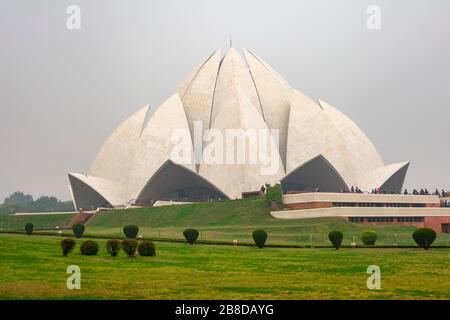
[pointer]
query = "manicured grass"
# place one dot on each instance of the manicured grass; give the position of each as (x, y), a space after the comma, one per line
(32, 267)
(40, 221)
(220, 213)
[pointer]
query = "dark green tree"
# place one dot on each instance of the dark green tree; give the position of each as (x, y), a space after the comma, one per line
(260, 237)
(113, 247)
(369, 237)
(424, 237)
(78, 229)
(336, 238)
(191, 235)
(29, 228)
(67, 246)
(89, 248)
(131, 231)
(129, 246)
(147, 248)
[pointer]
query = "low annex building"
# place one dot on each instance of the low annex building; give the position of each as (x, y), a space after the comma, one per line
(414, 210)
(317, 147)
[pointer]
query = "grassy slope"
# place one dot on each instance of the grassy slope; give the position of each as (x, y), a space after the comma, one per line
(226, 220)
(47, 221)
(33, 267)
(237, 219)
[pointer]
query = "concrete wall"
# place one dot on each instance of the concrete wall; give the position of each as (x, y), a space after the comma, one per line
(435, 223)
(361, 212)
(359, 198)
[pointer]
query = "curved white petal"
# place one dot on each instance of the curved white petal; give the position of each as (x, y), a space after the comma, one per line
(114, 160)
(90, 192)
(233, 80)
(311, 134)
(390, 177)
(314, 173)
(172, 178)
(155, 144)
(197, 98)
(274, 95)
(362, 154)
(237, 112)
(183, 86)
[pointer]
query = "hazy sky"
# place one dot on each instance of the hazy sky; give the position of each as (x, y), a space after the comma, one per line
(63, 92)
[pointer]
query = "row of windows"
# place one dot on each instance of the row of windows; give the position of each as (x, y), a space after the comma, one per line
(352, 204)
(356, 219)
(385, 219)
(380, 219)
(410, 219)
(388, 205)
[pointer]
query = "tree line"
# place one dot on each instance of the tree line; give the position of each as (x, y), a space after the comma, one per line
(19, 202)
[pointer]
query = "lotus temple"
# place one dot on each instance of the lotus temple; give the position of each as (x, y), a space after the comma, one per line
(318, 152)
(318, 147)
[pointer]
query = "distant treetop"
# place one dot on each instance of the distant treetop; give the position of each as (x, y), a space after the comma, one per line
(20, 202)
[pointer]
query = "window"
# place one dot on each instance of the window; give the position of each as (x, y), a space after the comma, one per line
(410, 219)
(380, 219)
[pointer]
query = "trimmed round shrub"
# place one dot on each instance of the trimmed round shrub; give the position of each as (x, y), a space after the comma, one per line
(78, 229)
(67, 245)
(89, 248)
(424, 237)
(369, 237)
(130, 231)
(191, 235)
(147, 248)
(336, 238)
(260, 237)
(129, 246)
(113, 247)
(29, 228)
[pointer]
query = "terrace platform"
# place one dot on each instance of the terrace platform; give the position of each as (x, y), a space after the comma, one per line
(415, 210)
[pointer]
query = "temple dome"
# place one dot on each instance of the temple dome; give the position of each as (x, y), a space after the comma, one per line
(317, 146)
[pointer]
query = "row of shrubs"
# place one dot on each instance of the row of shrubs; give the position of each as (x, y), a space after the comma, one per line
(129, 246)
(131, 232)
(424, 237)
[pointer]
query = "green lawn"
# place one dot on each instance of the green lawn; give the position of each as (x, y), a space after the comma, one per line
(40, 221)
(32, 267)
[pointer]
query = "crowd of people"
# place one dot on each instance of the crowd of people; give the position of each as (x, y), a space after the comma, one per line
(422, 191)
(352, 190)
(356, 189)
(382, 191)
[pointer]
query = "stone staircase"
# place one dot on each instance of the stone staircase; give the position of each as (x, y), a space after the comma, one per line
(81, 217)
